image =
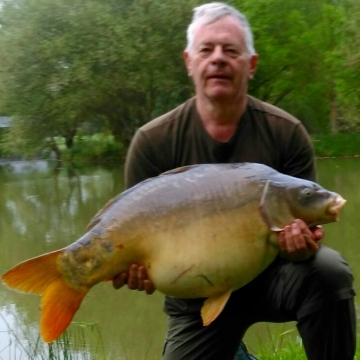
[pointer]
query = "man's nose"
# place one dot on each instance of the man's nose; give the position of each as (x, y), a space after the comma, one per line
(218, 55)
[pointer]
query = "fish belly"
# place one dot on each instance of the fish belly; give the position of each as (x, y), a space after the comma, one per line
(210, 255)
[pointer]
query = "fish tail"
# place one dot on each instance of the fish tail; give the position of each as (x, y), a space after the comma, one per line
(40, 275)
(58, 307)
(33, 275)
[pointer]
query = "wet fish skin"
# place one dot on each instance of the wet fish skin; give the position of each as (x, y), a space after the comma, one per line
(201, 231)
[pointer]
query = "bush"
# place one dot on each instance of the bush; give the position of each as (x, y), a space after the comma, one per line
(94, 148)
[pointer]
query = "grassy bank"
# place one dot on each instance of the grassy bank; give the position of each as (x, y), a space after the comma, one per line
(289, 351)
(285, 344)
(84, 341)
(80, 346)
(103, 148)
(336, 145)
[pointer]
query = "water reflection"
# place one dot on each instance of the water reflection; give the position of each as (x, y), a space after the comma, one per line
(41, 211)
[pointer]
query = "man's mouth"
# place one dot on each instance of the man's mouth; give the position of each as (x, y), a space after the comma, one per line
(218, 77)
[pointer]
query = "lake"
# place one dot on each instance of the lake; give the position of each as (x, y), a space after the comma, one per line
(41, 212)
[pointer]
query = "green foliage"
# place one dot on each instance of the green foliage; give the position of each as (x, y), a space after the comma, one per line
(95, 148)
(17, 141)
(117, 64)
(153, 77)
(334, 145)
(300, 66)
(73, 61)
(50, 49)
(349, 71)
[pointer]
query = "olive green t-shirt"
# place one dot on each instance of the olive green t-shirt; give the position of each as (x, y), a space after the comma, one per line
(265, 134)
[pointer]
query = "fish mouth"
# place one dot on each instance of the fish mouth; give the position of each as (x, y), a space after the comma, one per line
(336, 206)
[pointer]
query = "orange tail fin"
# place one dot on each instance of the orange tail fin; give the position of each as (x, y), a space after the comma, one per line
(59, 303)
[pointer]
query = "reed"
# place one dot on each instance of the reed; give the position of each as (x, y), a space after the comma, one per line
(82, 341)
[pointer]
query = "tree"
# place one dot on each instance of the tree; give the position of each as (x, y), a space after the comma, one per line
(119, 63)
(299, 43)
(346, 59)
(77, 61)
(148, 77)
(50, 53)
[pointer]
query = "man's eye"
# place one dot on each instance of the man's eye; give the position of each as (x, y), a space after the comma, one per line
(205, 50)
(232, 51)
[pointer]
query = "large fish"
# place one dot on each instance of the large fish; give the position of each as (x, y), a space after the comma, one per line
(200, 231)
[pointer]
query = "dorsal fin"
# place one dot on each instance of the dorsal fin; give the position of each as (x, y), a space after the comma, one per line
(179, 170)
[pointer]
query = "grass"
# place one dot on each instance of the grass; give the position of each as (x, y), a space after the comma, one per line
(282, 346)
(290, 351)
(285, 345)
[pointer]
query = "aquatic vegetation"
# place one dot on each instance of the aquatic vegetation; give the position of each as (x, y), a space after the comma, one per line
(82, 341)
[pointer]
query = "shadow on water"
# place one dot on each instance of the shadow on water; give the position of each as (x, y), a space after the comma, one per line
(42, 210)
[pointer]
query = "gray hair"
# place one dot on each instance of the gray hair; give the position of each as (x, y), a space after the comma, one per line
(209, 13)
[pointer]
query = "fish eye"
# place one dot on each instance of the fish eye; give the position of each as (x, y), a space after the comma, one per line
(306, 192)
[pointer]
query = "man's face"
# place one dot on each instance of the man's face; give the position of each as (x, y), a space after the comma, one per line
(218, 61)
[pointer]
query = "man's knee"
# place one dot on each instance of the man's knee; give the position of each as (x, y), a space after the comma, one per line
(331, 271)
(327, 278)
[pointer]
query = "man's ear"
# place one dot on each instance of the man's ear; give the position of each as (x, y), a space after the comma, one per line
(253, 65)
(187, 60)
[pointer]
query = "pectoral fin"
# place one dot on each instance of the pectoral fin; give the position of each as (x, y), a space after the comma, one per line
(213, 306)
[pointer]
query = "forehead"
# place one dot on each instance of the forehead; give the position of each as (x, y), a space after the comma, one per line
(226, 30)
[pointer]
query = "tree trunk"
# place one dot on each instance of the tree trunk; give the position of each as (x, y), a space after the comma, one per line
(58, 154)
(69, 138)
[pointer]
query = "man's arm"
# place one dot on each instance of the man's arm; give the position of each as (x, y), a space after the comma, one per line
(139, 166)
(142, 160)
(297, 242)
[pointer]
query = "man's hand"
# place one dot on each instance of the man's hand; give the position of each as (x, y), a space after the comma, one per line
(136, 278)
(297, 242)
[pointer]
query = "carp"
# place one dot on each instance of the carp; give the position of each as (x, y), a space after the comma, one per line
(201, 231)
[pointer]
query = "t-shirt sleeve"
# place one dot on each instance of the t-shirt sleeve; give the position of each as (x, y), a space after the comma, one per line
(141, 161)
(298, 158)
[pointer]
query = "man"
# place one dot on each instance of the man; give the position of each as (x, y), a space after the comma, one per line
(222, 123)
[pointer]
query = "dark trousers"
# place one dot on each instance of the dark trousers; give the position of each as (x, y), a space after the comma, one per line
(317, 293)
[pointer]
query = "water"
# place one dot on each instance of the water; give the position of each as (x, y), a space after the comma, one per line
(41, 212)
